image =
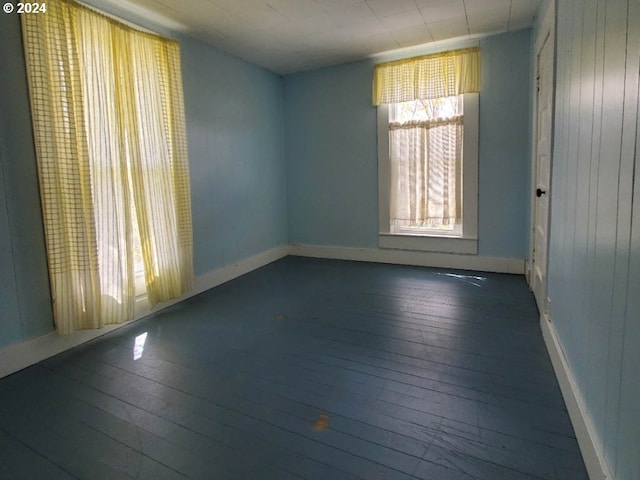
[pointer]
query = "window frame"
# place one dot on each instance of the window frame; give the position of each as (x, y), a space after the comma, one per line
(445, 242)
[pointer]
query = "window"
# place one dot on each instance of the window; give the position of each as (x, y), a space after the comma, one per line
(428, 169)
(427, 154)
(110, 139)
(425, 157)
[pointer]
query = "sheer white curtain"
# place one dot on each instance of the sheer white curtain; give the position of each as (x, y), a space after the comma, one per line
(425, 148)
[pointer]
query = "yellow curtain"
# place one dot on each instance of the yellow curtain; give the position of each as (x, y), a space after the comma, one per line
(439, 75)
(109, 132)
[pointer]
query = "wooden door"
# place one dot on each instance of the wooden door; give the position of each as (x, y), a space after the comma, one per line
(542, 170)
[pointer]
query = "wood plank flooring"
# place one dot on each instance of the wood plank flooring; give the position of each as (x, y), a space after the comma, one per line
(304, 369)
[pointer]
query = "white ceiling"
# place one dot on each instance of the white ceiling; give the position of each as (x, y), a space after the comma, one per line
(287, 36)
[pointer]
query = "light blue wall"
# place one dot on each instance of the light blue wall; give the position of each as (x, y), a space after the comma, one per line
(594, 252)
(234, 115)
(331, 152)
(236, 155)
(9, 330)
(25, 303)
(504, 156)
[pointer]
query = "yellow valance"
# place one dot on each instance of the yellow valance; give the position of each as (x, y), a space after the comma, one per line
(442, 74)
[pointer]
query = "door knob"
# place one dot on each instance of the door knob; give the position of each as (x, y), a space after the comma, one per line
(540, 192)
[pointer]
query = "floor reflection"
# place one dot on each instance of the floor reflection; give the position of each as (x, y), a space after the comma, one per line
(138, 346)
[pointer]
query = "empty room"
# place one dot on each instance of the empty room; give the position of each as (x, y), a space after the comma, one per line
(320, 239)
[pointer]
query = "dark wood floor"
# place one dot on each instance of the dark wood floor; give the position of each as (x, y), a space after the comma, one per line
(310, 369)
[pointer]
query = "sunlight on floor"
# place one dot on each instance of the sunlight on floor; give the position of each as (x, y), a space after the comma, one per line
(471, 279)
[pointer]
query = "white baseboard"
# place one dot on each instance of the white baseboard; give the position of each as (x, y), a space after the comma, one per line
(235, 270)
(403, 257)
(590, 446)
(527, 271)
(16, 357)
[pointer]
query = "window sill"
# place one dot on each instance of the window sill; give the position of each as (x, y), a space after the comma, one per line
(440, 243)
